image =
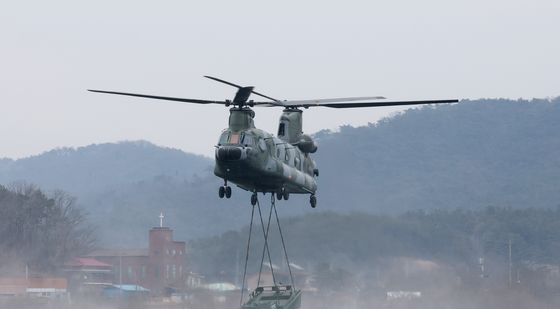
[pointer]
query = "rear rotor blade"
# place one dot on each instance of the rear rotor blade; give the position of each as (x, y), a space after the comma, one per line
(318, 102)
(369, 104)
(197, 101)
(388, 103)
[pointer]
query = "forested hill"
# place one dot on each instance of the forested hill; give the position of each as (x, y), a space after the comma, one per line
(102, 166)
(472, 154)
(355, 241)
(468, 155)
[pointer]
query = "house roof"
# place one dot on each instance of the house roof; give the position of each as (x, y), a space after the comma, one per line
(33, 283)
(119, 252)
(129, 287)
(12, 286)
(221, 286)
(86, 262)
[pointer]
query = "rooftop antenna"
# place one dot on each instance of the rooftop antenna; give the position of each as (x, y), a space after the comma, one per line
(161, 216)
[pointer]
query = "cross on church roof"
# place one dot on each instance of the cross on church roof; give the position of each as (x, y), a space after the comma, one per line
(161, 216)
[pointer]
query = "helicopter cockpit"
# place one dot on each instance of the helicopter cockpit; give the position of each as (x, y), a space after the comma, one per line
(245, 139)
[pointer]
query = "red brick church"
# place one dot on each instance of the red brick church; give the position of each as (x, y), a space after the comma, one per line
(159, 268)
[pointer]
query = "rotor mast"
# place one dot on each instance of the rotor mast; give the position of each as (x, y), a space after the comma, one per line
(243, 93)
(241, 118)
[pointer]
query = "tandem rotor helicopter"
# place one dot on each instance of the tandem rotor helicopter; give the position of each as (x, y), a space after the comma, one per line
(258, 161)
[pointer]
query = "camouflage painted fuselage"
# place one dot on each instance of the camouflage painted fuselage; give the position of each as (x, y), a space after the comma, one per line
(260, 162)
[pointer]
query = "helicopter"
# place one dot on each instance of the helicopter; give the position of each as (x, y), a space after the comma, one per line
(258, 161)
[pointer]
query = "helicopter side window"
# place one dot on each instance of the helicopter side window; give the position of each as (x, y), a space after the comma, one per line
(292, 157)
(281, 129)
(247, 140)
(281, 151)
(262, 145)
(271, 146)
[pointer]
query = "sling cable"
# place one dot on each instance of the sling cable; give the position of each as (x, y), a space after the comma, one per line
(277, 295)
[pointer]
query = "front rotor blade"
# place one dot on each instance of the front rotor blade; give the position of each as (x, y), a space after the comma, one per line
(197, 101)
(237, 86)
(223, 81)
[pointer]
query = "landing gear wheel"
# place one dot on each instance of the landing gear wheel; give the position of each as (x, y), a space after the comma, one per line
(313, 201)
(222, 192)
(279, 195)
(228, 192)
(285, 194)
(254, 199)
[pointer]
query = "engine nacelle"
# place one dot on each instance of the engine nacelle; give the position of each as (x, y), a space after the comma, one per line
(231, 153)
(307, 144)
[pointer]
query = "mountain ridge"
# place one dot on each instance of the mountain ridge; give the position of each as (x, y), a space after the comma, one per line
(109, 163)
(468, 155)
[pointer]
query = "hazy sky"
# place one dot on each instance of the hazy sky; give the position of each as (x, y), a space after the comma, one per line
(51, 51)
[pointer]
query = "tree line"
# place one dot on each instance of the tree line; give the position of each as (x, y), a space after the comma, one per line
(356, 241)
(40, 231)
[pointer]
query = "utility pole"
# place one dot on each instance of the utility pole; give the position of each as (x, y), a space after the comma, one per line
(482, 269)
(120, 275)
(510, 266)
(237, 267)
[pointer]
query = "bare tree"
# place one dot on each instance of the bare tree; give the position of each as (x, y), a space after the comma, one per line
(40, 230)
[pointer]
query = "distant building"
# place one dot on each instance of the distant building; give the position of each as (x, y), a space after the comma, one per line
(90, 270)
(159, 268)
(87, 275)
(125, 290)
(44, 287)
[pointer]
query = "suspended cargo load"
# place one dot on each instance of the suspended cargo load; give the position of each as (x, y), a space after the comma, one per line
(274, 297)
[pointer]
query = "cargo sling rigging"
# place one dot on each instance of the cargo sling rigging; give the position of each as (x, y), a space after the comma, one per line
(265, 246)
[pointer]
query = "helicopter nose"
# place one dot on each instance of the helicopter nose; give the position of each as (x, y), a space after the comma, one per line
(231, 153)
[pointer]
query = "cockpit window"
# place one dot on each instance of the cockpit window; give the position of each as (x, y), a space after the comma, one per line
(234, 138)
(224, 138)
(281, 129)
